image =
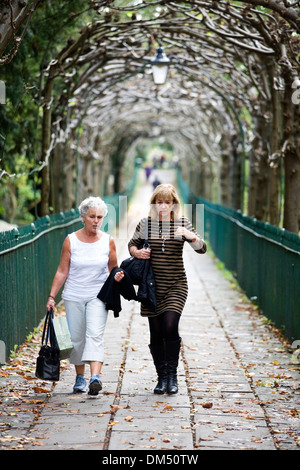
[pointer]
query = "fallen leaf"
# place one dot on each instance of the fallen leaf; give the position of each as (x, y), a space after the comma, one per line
(115, 408)
(207, 405)
(38, 443)
(129, 418)
(33, 402)
(168, 407)
(40, 390)
(232, 410)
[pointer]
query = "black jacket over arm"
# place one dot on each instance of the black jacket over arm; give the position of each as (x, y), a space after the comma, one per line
(136, 272)
(112, 290)
(141, 273)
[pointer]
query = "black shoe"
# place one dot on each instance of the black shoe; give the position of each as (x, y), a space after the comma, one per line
(172, 356)
(158, 354)
(161, 386)
(172, 384)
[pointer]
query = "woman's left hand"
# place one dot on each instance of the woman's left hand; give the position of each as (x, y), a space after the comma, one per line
(119, 276)
(183, 232)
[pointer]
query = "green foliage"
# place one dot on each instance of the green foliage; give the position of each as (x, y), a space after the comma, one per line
(20, 118)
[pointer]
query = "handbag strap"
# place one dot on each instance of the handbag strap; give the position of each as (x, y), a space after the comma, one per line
(45, 327)
(48, 331)
(146, 240)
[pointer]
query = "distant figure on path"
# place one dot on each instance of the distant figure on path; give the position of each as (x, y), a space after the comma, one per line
(147, 172)
(155, 182)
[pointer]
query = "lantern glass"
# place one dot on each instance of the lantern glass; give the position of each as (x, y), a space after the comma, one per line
(160, 72)
(160, 65)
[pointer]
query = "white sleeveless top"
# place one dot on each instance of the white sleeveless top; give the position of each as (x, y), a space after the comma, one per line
(88, 268)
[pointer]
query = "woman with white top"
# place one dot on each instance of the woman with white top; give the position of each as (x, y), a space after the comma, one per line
(88, 255)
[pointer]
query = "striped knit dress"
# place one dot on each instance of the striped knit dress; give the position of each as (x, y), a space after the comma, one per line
(166, 260)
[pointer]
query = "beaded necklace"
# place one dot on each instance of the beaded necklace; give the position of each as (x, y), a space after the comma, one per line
(162, 236)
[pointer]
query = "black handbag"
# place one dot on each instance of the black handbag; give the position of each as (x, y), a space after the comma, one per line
(48, 362)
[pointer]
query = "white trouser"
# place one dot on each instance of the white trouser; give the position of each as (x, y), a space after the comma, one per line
(86, 322)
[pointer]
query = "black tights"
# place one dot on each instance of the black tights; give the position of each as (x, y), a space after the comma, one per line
(164, 327)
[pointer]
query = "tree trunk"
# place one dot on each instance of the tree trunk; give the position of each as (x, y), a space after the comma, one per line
(258, 178)
(97, 169)
(224, 171)
(69, 178)
(253, 178)
(275, 163)
(57, 180)
(274, 193)
(291, 137)
(292, 190)
(235, 174)
(46, 140)
(87, 176)
(12, 202)
(195, 177)
(117, 179)
(208, 189)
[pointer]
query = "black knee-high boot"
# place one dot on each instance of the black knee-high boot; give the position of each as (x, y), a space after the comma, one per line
(172, 356)
(158, 354)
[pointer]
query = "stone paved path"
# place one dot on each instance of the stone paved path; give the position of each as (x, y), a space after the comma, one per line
(238, 383)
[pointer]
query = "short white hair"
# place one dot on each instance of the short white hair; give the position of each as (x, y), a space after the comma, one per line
(92, 202)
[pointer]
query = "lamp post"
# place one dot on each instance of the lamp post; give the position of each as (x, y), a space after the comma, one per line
(160, 66)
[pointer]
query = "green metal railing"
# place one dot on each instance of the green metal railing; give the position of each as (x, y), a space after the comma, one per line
(265, 260)
(29, 257)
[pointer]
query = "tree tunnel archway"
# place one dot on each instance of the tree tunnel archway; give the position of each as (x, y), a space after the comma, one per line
(185, 122)
(232, 82)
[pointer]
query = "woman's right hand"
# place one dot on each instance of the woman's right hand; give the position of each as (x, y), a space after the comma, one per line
(144, 253)
(119, 276)
(51, 304)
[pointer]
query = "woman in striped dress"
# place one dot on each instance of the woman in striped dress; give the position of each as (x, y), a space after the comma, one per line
(166, 232)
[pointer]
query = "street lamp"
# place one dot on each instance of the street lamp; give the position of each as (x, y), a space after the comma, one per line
(160, 66)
